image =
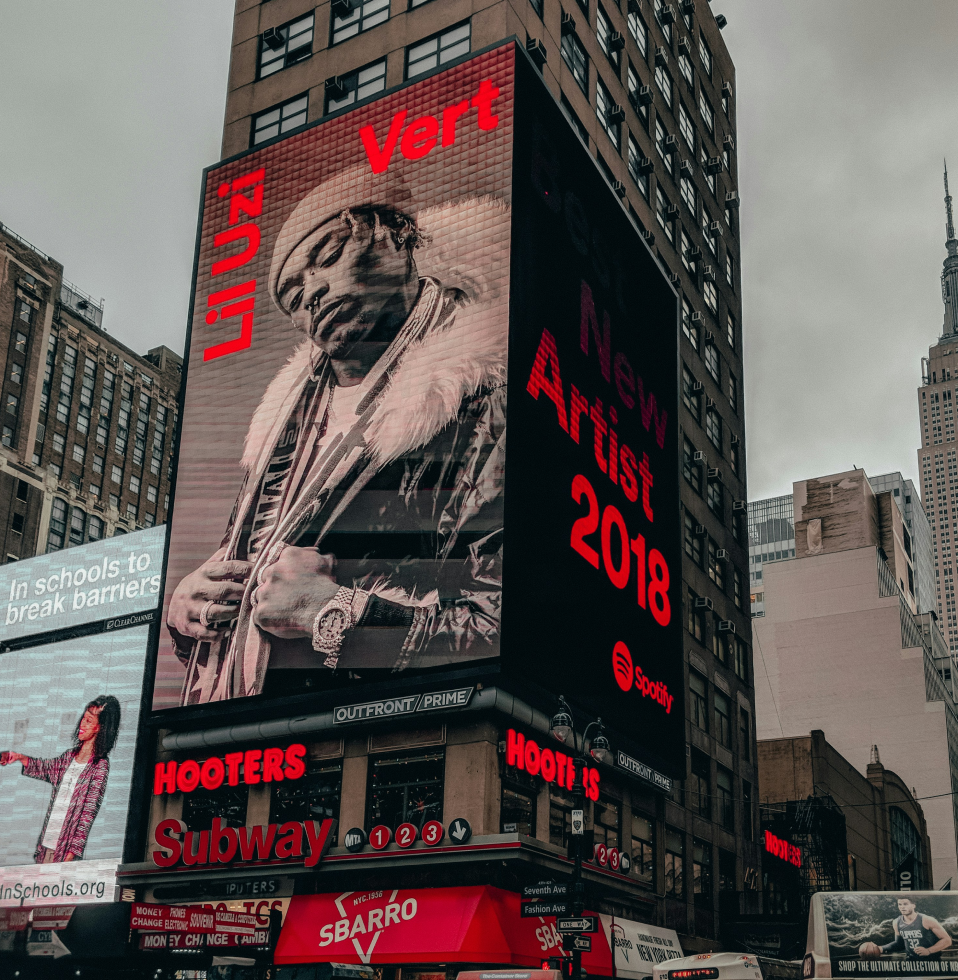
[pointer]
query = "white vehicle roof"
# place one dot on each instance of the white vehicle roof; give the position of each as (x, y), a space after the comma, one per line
(735, 966)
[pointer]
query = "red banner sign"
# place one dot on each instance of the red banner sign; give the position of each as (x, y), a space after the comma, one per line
(14, 919)
(171, 918)
(53, 917)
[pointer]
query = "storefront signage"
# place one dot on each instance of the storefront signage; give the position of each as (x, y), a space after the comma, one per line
(14, 920)
(54, 917)
(251, 767)
(640, 769)
(294, 841)
(77, 882)
(407, 705)
(552, 765)
(782, 849)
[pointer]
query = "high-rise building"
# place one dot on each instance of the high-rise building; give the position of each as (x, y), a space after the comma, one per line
(650, 88)
(842, 646)
(86, 424)
(938, 456)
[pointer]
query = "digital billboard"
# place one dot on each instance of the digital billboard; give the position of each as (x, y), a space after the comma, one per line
(366, 294)
(109, 579)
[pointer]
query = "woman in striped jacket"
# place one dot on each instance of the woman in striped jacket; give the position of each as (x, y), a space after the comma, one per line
(78, 777)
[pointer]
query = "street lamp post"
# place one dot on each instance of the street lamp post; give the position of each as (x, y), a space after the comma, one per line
(563, 729)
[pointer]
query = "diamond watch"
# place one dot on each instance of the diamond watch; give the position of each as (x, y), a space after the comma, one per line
(330, 625)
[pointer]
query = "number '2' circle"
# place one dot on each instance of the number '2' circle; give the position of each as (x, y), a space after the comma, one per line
(405, 835)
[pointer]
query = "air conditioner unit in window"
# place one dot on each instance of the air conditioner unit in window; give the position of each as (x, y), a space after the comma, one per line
(649, 236)
(275, 37)
(735, 440)
(722, 21)
(667, 14)
(703, 602)
(672, 212)
(616, 114)
(697, 317)
(617, 41)
(732, 200)
(714, 473)
(693, 252)
(715, 228)
(685, 168)
(729, 142)
(670, 144)
(646, 165)
(674, 276)
(645, 95)
(708, 274)
(709, 402)
(661, 56)
(714, 166)
(685, 45)
(335, 87)
(536, 50)
(739, 506)
(709, 338)
(699, 457)
(721, 554)
(726, 626)
(688, 6)
(568, 24)
(619, 187)
(697, 386)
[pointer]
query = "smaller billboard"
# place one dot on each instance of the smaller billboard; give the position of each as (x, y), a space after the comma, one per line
(108, 579)
(885, 934)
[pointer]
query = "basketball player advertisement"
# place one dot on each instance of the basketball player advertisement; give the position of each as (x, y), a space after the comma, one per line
(339, 495)
(887, 934)
(367, 292)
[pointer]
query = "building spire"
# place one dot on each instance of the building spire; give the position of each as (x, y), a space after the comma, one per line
(949, 216)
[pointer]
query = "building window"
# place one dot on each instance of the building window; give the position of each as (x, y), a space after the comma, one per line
(686, 128)
(696, 620)
(691, 470)
(55, 469)
(603, 34)
(723, 719)
(643, 849)
(701, 872)
(203, 805)
(688, 72)
(16, 373)
(606, 822)
(7, 439)
(724, 798)
(730, 331)
(738, 589)
(438, 50)
(97, 464)
(560, 816)
(641, 110)
(359, 85)
(708, 115)
(405, 789)
(747, 823)
(713, 428)
(536, 6)
(741, 659)
(151, 494)
(712, 361)
(698, 698)
(906, 846)
(134, 484)
(716, 566)
(517, 811)
(662, 213)
(131, 512)
(730, 269)
(16, 525)
(282, 118)
(689, 328)
(79, 453)
(661, 135)
(733, 391)
(12, 403)
(20, 344)
(77, 526)
(116, 475)
(95, 489)
(94, 528)
(603, 110)
(59, 443)
(744, 734)
(364, 15)
(83, 419)
(715, 498)
(577, 61)
(665, 26)
(674, 871)
(693, 542)
(639, 32)
(641, 179)
(710, 293)
(285, 46)
(699, 790)
(705, 56)
(664, 81)
(24, 311)
(58, 525)
(315, 796)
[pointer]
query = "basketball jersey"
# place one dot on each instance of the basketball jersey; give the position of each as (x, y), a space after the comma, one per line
(915, 934)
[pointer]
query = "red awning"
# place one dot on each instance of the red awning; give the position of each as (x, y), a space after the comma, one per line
(477, 924)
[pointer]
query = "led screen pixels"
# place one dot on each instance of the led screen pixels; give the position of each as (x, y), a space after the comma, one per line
(105, 580)
(593, 564)
(381, 233)
(43, 692)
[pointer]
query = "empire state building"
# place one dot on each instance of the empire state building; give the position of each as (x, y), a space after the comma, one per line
(938, 456)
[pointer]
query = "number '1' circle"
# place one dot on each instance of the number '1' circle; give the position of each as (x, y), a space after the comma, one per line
(379, 837)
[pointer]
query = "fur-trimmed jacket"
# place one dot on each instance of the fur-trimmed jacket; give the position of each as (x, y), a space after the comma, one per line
(408, 500)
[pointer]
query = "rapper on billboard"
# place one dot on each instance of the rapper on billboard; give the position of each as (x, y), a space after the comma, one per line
(78, 777)
(367, 532)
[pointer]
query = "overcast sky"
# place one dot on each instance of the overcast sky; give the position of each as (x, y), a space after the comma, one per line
(111, 108)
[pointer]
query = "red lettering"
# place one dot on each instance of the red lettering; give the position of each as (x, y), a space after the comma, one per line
(577, 405)
(233, 762)
(164, 778)
(588, 320)
(548, 356)
(419, 138)
(646, 473)
(212, 773)
(272, 765)
(627, 477)
(258, 840)
(533, 757)
(251, 207)
(188, 776)
(515, 749)
(200, 854)
(166, 836)
(601, 427)
(482, 100)
(624, 379)
(249, 232)
(449, 117)
(547, 765)
(318, 841)
(290, 842)
(295, 767)
(379, 157)
(219, 833)
(251, 761)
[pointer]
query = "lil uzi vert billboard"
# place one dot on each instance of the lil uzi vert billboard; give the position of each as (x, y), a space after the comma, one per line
(431, 414)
